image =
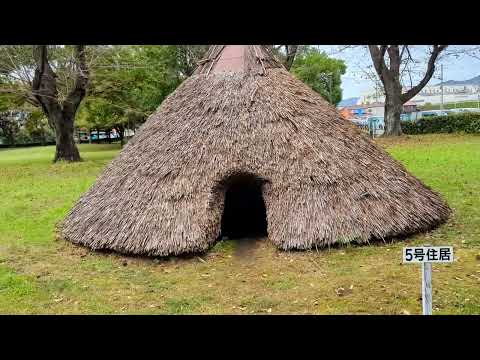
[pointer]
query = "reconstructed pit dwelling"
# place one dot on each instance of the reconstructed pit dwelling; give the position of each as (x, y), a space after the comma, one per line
(241, 147)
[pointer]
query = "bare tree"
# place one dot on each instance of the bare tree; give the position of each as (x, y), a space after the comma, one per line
(60, 113)
(287, 54)
(290, 53)
(390, 72)
(457, 51)
(57, 83)
(188, 57)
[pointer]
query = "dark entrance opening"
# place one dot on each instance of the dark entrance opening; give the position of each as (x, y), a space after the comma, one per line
(244, 213)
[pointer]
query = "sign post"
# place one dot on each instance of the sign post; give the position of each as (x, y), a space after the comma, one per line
(427, 288)
(426, 255)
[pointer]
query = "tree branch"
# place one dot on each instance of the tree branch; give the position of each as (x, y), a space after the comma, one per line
(378, 58)
(291, 52)
(437, 49)
(44, 85)
(394, 56)
(79, 89)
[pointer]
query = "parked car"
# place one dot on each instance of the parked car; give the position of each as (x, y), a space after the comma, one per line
(96, 136)
(103, 136)
(83, 137)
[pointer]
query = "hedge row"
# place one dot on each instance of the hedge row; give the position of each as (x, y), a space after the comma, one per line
(463, 123)
(23, 138)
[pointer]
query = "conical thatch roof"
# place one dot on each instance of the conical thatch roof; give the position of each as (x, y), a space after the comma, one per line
(324, 182)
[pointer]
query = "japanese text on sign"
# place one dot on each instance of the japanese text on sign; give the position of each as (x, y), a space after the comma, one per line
(434, 254)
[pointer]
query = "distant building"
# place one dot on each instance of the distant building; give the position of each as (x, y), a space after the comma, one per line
(453, 91)
(449, 90)
(375, 109)
(409, 107)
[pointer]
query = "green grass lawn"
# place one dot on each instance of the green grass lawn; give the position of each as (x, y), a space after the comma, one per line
(40, 274)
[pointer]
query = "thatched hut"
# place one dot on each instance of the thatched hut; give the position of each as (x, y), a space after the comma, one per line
(242, 145)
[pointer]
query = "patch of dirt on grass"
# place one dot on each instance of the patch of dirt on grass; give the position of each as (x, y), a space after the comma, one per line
(246, 248)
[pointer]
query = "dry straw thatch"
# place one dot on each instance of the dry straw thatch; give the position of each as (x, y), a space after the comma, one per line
(324, 182)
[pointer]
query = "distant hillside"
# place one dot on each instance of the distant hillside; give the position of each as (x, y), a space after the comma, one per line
(472, 81)
(348, 102)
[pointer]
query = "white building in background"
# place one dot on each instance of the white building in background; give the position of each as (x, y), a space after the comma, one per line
(449, 90)
(451, 94)
(376, 109)
(432, 95)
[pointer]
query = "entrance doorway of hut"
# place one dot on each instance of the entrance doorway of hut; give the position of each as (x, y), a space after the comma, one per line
(244, 213)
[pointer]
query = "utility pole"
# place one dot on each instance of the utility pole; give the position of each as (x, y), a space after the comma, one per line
(441, 86)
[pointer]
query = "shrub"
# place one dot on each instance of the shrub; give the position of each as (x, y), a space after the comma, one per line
(23, 137)
(462, 123)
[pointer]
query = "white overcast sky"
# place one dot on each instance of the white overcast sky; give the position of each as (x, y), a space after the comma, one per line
(462, 68)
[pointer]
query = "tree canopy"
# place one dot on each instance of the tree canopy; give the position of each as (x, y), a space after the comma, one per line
(127, 83)
(320, 72)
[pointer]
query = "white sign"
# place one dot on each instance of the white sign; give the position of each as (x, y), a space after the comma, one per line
(428, 254)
